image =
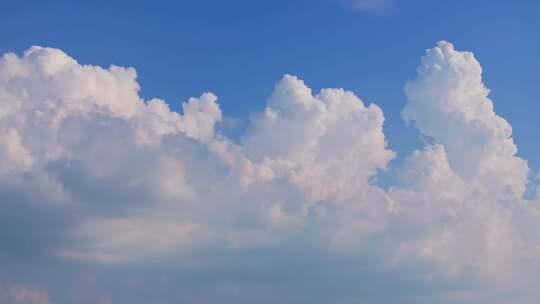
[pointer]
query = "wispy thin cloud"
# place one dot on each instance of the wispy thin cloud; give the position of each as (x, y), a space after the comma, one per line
(374, 7)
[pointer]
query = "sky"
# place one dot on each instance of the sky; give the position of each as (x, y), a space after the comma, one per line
(323, 151)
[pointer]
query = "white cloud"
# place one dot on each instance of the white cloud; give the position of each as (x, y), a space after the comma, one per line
(117, 179)
(449, 103)
(328, 145)
(467, 187)
(378, 7)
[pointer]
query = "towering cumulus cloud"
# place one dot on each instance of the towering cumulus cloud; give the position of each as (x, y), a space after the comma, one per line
(449, 103)
(468, 182)
(109, 198)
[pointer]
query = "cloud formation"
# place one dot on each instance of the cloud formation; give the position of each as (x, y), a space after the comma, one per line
(92, 174)
(449, 103)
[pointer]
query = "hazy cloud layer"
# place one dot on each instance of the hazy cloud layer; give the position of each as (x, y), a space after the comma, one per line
(109, 198)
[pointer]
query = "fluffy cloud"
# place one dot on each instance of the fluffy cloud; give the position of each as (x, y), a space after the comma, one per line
(92, 173)
(449, 103)
(328, 145)
(468, 182)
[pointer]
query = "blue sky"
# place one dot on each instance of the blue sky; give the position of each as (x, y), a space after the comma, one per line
(240, 185)
(239, 49)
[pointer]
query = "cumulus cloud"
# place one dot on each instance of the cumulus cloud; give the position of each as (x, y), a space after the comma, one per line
(449, 103)
(314, 139)
(468, 179)
(92, 173)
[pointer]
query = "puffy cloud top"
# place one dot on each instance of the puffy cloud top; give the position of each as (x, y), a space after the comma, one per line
(449, 103)
(329, 144)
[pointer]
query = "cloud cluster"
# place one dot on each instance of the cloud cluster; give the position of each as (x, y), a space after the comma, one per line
(92, 173)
